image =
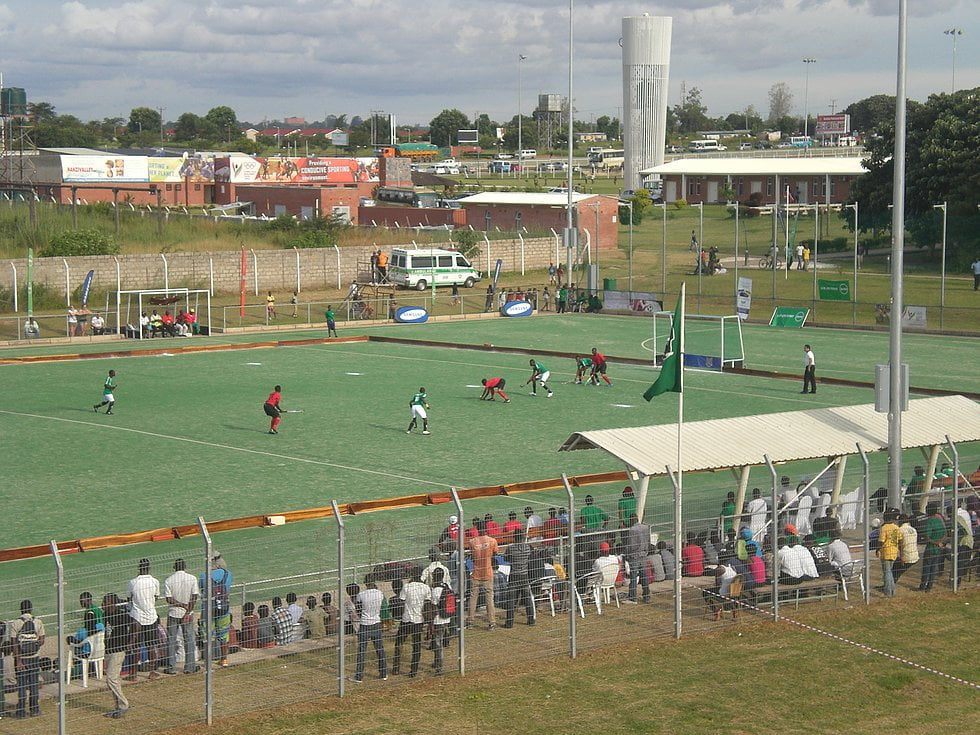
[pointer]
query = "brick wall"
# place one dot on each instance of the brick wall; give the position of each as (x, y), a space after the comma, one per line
(276, 268)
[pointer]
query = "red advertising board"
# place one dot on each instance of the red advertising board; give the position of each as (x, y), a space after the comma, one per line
(833, 124)
(311, 170)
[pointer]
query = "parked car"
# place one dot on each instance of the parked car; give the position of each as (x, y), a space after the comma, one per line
(554, 166)
(745, 146)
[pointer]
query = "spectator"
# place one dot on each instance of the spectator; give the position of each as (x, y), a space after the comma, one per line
(282, 621)
(908, 548)
(552, 527)
(367, 603)
(145, 325)
(510, 526)
(156, 324)
(756, 566)
(692, 557)
(710, 547)
(182, 592)
(717, 595)
(31, 328)
(519, 581)
(482, 549)
(26, 636)
(331, 616)
(169, 328)
(191, 318)
(450, 534)
(821, 557)
(964, 550)
(249, 636)
(670, 563)
(493, 528)
(93, 621)
(838, 553)
(442, 620)
(758, 509)
(393, 608)
(626, 507)
(534, 522)
(824, 527)
(117, 644)
(435, 562)
(266, 628)
(98, 324)
(889, 541)
(414, 594)
(637, 545)
(607, 565)
(181, 326)
(221, 581)
(295, 613)
(143, 593)
(311, 621)
(794, 567)
(593, 518)
(728, 513)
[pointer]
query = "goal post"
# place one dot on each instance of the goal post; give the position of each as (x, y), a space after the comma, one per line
(710, 342)
(198, 299)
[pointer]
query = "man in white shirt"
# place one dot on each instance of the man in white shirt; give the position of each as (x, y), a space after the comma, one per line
(98, 324)
(838, 553)
(809, 370)
(414, 594)
(295, 613)
(368, 605)
(607, 565)
(182, 592)
(434, 563)
(795, 563)
(758, 510)
(143, 593)
(534, 521)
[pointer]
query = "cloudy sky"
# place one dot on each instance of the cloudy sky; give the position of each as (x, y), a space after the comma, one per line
(101, 58)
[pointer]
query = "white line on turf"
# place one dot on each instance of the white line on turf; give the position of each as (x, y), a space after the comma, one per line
(215, 445)
(253, 363)
(353, 373)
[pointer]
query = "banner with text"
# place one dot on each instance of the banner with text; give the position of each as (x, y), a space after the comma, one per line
(789, 316)
(195, 169)
(744, 300)
(834, 290)
(103, 169)
(313, 170)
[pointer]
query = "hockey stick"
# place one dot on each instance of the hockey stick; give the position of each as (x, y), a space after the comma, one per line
(295, 410)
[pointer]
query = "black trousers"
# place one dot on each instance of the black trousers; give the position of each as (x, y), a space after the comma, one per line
(810, 378)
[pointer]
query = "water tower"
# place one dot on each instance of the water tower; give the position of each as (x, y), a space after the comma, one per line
(646, 67)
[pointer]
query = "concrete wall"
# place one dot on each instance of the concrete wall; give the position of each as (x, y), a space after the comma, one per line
(277, 269)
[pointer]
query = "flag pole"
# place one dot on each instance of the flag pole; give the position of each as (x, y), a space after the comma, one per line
(679, 487)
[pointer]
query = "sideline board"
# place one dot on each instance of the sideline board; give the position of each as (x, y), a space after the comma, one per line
(789, 316)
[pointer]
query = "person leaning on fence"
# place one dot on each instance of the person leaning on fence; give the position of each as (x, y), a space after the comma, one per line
(221, 580)
(117, 645)
(414, 595)
(144, 590)
(367, 604)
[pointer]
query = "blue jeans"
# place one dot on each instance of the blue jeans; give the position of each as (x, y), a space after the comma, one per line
(639, 569)
(370, 633)
(29, 687)
(930, 568)
(886, 574)
(177, 626)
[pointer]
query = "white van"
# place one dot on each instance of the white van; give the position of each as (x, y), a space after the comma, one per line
(529, 153)
(697, 146)
(419, 269)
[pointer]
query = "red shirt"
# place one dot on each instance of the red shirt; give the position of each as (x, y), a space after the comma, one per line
(493, 382)
(167, 319)
(693, 558)
(598, 359)
(274, 398)
(493, 529)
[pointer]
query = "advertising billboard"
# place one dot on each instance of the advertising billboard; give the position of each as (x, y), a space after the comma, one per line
(833, 125)
(194, 168)
(311, 170)
(468, 136)
(104, 169)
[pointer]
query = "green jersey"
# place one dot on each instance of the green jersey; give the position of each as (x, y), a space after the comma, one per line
(108, 386)
(585, 362)
(594, 517)
(330, 315)
(419, 399)
(538, 368)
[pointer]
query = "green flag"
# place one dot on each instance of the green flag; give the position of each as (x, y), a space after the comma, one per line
(671, 378)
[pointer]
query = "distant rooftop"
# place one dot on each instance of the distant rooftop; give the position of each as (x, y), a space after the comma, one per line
(758, 166)
(526, 198)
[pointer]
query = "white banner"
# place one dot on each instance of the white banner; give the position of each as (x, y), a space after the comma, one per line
(642, 302)
(77, 169)
(744, 301)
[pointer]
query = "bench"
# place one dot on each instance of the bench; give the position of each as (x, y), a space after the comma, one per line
(825, 588)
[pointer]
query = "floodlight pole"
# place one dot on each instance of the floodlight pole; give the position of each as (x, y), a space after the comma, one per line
(663, 255)
(942, 276)
(571, 235)
(854, 286)
(62, 651)
(953, 32)
(520, 139)
(700, 206)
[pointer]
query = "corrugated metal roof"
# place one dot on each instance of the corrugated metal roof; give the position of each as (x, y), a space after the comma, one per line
(793, 435)
(755, 166)
(524, 198)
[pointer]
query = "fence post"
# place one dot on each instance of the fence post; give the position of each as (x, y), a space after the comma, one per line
(461, 585)
(211, 274)
(208, 625)
(166, 272)
(775, 537)
(119, 328)
(956, 508)
(338, 267)
(14, 269)
(678, 589)
(519, 235)
(572, 587)
(67, 282)
(341, 532)
(255, 271)
(866, 512)
(299, 287)
(60, 604)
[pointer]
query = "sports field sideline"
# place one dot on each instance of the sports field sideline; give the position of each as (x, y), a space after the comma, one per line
(188, 436)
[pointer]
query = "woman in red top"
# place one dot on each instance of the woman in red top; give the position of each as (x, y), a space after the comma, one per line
(274, 409)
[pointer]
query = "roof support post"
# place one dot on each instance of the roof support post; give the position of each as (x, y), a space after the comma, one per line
(641, 485)
(461, 582)
(341, 532)
(866, 512)
(677, 553)
(930, 471)
(572, 588)
(838, 479)
(956, 520)
(743, 484)
(775, 538)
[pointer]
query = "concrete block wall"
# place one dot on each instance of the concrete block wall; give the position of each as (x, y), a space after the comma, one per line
(277, 269)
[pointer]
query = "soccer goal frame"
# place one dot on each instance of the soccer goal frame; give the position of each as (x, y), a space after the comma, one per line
(190, 297)
(710, 342)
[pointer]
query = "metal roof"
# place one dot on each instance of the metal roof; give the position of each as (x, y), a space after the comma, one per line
(525, 198)
(757, 166)
(793, 435)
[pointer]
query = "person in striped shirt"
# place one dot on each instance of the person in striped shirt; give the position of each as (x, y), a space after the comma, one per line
(418, 405)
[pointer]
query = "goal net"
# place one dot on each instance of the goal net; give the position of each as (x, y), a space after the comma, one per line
(710, 342)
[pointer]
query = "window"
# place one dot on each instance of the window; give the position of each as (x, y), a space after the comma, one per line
(398, 261)
(817, 187)
(769, 183)
(741, 186)
(421, 261)
(197, 187)
(170, 187)
(461, 262)
(445, 261)
(833, 186)
(697, 185)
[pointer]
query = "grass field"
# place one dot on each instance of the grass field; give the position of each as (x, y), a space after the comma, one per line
(189, 438)
(743, 679)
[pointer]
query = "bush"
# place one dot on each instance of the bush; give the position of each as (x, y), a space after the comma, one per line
(467, 242)
(313, 239)
(680, 203)
(80, 242)
(282, 223)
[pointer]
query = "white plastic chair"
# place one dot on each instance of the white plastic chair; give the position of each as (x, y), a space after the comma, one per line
(853, 570)
(547, 592)
(96, 657)
(592, 582)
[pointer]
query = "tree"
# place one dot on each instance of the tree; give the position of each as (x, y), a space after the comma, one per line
(943, 136)
(191, 127)
(143, 120)
(41, 112)
(65, 131)
(225, 122)
(691, 115)
(443, 127)
(780, 101)
(871, 113)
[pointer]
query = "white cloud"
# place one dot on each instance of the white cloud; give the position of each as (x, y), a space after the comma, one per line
(94, 58)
